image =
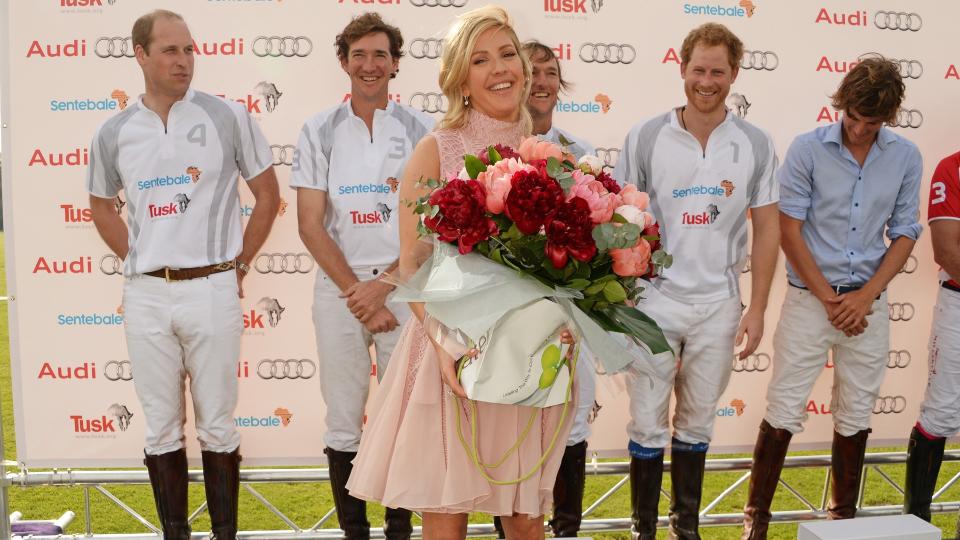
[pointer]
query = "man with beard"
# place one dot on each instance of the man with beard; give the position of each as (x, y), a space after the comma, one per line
(177, 154)
(844, 187)
(704, 168)
(347, 161)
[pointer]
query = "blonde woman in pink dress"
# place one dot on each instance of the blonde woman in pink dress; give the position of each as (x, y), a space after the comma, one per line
(410, 454)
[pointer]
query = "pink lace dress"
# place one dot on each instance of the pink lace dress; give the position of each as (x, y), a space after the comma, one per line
(410, 455)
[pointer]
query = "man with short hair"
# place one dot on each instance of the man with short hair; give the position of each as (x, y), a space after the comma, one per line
(842, 187)
(704, 169)
(940, 410)
(348, 161)
(177, 154)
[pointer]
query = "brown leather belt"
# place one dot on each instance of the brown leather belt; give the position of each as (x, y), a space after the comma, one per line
(181, 274)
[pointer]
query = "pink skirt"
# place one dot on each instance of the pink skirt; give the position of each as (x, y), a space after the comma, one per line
(411, 456)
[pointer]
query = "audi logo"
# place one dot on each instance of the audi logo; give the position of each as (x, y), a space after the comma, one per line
(763, 60)
(608, 53)
(430, 102)
(753, 363)
(114, 47)
(898, 20)
(890, 405)
(909, 69)
(110, 265)
(288, 46)
(898, 359)
(908, 118)
(438, 3)
(608, 155)
(283, 154)
(284, 263)
(286, 369)
(901, 311)
(910, 266)
(116, 370)
(426, 48)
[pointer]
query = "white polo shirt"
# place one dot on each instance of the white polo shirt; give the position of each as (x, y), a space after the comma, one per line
(579, 148)
(700, 198)
(361, 175)
(180, 182)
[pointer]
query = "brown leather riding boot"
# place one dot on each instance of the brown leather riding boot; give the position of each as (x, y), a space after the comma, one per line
(646, 476)
(351, 511)
(221, 482)
(768, 457)
(924, 457)
(847, 463)
(568, 491)
(168, 478)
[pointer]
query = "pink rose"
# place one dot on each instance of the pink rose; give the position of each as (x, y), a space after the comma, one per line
(533, 148)
(632, 196)
(580, 177)
(496, 182)
(631, 262)
(602, 203)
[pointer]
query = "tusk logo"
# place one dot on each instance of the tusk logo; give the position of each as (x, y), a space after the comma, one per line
(122, 414)
(269, 93)
(273, 308)
(739, 104)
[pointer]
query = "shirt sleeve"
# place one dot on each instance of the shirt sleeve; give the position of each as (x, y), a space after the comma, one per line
(103, 178)
(767, 189)
(905, 220)
(945, 190)
(629, 169)
(253, 151)
(795, 178)
(310, 165)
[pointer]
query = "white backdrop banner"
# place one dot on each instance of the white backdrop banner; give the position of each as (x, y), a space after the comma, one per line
(69, 66)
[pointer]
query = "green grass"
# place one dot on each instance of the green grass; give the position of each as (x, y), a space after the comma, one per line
(306, 503)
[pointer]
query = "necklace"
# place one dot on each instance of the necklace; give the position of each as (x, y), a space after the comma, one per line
(683, 124)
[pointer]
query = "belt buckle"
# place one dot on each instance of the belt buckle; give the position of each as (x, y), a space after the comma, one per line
(166, 273)
(836, 289)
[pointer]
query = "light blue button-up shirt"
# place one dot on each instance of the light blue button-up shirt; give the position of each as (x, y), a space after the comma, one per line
(844, 207)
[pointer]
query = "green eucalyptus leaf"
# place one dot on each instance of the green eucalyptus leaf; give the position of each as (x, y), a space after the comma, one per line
(617, 218)
(577, 283)
(474, 166)
(614, 292)
(493, 155)
(554, 167)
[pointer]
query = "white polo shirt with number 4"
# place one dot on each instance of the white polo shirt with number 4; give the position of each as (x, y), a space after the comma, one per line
(180, 181)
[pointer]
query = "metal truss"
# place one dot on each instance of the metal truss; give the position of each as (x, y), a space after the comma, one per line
(94, 482)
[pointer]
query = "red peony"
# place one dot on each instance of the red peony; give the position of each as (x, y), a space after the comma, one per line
(505, 152)
(608, 182)
(569, 232)
(532, 200)
(462, 217)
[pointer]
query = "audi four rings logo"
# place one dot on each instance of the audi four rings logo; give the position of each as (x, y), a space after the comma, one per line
(908, 118)
(753, 363)
(114, 47)
(608, 53)
(898, 359)
(430, 102)
(901, 311)
(426, 48)
(439, 3)
(898, 20)
(890, 405)
(287, 46)
(118, 371)
(284, 263)
(910, 266)
(909, 69)
(110, 265)
(764, 60)
(608, 155)
(283, 153)
(286, 369)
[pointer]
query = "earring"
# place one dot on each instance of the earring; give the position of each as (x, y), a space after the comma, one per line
(466, 101)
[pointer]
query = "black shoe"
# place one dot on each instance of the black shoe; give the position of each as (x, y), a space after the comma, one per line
(568, 491)
(351, 511)
(168, 478)
(221, 481)
(924, 457)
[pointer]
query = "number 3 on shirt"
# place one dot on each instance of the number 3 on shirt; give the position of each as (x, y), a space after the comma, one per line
(939, 190)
